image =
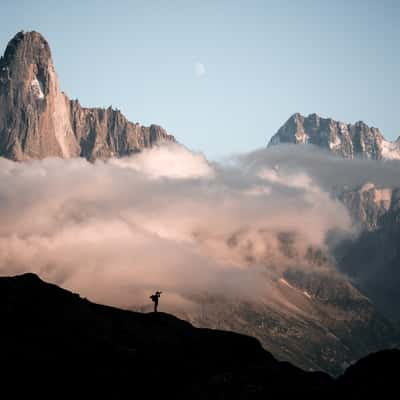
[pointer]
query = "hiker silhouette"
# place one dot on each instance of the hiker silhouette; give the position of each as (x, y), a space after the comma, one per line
(154, 298)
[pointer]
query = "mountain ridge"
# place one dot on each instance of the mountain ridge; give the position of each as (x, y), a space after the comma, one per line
(38, 120)
(343, 139)
(53, 333)
(48, 330)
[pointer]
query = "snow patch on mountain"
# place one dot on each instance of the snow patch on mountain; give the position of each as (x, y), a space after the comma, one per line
(307, 294)
(335, 143)
(366, 187)
(37, 90)
(286, 283)
(302, 138)
(390, 151)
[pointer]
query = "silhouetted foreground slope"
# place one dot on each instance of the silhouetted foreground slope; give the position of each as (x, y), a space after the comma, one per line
(53, 342)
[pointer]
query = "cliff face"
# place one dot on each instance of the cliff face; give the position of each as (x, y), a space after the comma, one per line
(372, 259)
(346, 140)
(107, 133)
(34, 120)
(369, 204)
(37, 120)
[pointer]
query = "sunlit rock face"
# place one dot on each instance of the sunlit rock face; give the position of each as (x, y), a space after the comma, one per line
(369, 204)
(346, 140)
(37, 120)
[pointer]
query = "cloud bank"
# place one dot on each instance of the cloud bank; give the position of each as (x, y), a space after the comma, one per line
(169, 220)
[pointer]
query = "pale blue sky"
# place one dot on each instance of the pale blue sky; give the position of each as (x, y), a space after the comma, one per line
(222, 76)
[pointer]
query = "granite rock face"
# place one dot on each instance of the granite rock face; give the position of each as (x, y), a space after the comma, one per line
(37, 120)
(372, 259)
(369, 204)
(103, 133)
(346, 140)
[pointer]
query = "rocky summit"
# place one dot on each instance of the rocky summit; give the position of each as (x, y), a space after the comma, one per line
(339, 138)
(373, 255)
(38, 120)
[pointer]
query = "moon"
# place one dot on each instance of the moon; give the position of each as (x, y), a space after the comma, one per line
(199, 69)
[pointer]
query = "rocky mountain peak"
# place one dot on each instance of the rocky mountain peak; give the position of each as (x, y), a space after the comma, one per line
(343, 139)
(37, 120)
(29, 48)
(27, 64)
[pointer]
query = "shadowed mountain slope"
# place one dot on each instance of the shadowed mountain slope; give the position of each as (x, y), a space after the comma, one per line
(58, 343)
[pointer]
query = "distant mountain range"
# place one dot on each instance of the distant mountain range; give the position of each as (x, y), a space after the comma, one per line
(53, 341)
(37, 120)
(372, 260)
(343, 139)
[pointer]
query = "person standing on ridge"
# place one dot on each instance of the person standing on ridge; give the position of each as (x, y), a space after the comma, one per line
(154, 298)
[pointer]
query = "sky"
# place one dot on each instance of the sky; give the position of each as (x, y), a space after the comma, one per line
(223, 76)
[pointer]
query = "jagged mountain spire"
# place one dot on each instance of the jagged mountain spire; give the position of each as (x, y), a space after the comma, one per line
(34, 114)
(37, 120)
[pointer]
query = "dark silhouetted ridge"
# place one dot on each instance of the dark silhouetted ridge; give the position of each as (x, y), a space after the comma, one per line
(56, 342)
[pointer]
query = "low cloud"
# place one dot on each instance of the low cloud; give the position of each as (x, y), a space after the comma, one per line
(167, 219)
(325, 169)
